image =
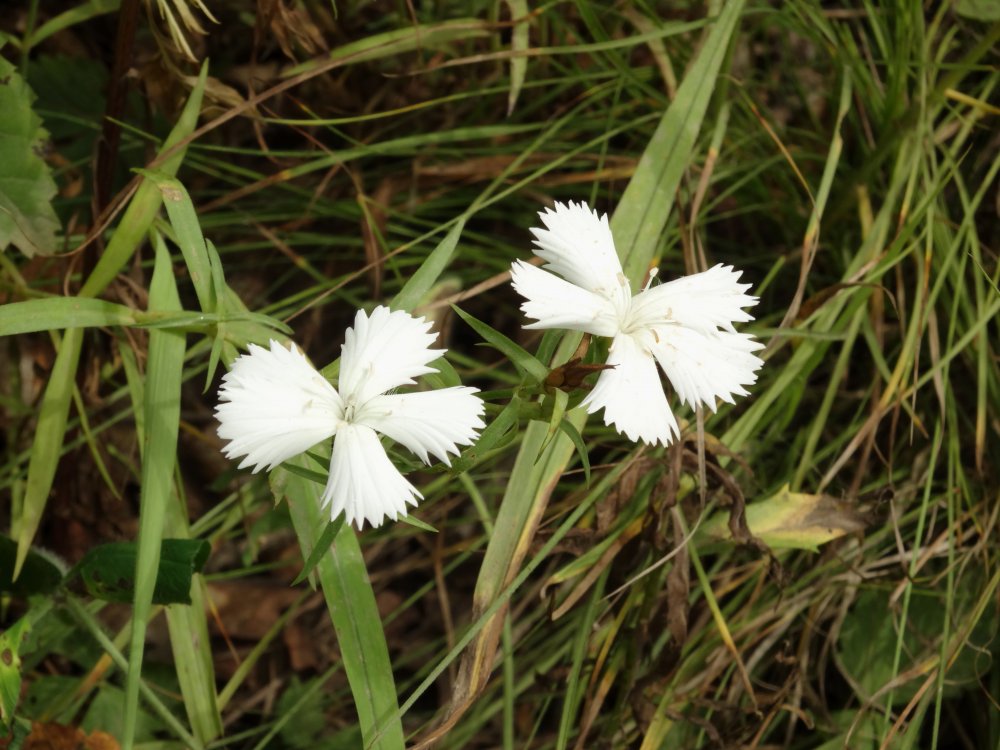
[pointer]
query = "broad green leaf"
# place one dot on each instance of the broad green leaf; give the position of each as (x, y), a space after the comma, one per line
(350, 601)
(27, 219)
(792, 520)
(39, 575)
(108, 571)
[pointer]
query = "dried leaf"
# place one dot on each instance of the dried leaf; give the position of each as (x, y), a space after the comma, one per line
(792, 520)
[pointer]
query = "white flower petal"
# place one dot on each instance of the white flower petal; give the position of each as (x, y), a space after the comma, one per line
(556, 303)
(275, 405)
(632, 396)
(704, 366)
(382, 352)
(703, 301)
(427, 422)
(577, 244)
(363, 483)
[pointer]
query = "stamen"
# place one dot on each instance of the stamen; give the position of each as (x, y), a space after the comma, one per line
(652, 275)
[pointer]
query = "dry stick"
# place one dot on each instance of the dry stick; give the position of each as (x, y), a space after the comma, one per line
(111, 129)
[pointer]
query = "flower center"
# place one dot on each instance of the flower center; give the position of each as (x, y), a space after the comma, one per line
(350, 408)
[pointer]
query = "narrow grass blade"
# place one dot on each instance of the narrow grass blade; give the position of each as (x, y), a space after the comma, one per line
(400, 41)
(190, 240)
(323, 545)
(520, 358)
(646, 203)
(518, 43)
(191, 645)
(61, 312)
(162, 416)
(54, 411)
(427, 275)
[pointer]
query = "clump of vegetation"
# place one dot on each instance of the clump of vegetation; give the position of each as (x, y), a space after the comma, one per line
(812, 566)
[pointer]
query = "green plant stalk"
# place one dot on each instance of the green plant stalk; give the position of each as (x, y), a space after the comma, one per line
(161, 412)
(54, 410)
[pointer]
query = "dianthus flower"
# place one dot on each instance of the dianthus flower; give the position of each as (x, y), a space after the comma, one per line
(275, 405)
(686, 324)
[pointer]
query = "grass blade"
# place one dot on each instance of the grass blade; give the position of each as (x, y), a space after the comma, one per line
(54, 411)
(161, 412)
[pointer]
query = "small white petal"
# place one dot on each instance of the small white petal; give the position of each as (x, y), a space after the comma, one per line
(382, 352)
(427, 422)
(556, 303)
(632, 396)
(577, 244)
(704, 366)
(363, 483)
(703, 301)
(275, 405)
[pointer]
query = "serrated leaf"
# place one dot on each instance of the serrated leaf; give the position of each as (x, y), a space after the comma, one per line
(108, 571)
(10, 667)
(27, 219)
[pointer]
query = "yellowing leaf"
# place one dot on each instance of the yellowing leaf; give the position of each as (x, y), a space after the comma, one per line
(792, 520)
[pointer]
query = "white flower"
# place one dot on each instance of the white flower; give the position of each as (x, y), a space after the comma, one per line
(275, 405)
(686, 325)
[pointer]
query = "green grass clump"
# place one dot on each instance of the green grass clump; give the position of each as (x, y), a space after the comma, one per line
(812, 567)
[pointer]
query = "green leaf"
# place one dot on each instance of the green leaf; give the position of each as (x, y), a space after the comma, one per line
(490, 437)
(10, 667)
(581, 447)
(52, 313)
(161, 411)
(185, 223)
(645, 205)
(323, 545)
(27, 219)
(39, 575)
(108, 571)
(427, 275)
(519, 357)
(353, 611)
(979, 10)
(518, 43)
